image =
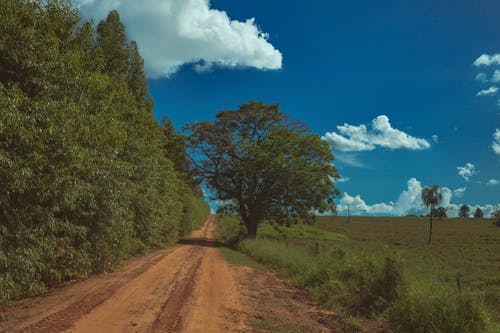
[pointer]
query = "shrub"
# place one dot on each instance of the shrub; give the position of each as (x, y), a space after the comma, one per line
(377, 286)
(232, 229)
(437, 311)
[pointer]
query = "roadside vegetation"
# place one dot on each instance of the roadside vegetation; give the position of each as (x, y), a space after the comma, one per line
(88, 177)
(383, 268)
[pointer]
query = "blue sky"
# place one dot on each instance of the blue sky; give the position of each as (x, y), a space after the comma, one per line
(412, 65)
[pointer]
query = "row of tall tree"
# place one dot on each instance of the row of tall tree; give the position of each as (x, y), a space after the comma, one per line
(87, 176)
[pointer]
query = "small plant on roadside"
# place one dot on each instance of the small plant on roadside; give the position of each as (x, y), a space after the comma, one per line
(355, 324)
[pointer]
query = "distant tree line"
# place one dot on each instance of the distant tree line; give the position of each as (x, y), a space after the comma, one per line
(87, 176)
(464, 212)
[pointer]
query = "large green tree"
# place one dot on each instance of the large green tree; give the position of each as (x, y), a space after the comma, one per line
(261, 165)
(431, 197)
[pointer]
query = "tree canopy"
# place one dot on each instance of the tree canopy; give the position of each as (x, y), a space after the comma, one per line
(464, 211)
(439, 212)
(261, 165)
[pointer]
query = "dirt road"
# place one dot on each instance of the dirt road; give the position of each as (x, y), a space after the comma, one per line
(189, 287)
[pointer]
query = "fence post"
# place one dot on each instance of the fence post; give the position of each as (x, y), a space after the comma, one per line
(459, 285)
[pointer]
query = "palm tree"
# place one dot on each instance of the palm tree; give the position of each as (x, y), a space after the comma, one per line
(431, 196)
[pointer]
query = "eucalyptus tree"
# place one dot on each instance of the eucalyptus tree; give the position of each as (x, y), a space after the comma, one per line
(431, 197)
(263, 166)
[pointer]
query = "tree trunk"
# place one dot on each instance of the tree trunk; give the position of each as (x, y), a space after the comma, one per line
(430, 227)
(251, 228)
(252, 221)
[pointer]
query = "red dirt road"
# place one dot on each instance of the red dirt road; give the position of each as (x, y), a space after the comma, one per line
(189, 287)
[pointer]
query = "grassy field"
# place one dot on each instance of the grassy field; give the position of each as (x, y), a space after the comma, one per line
(465, 248)
(383, 267)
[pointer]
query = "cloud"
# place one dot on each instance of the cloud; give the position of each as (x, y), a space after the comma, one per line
(459, 192)
(490, 91)
(343, 180)
(381, 133)
(409, 202)
(482, 77)
(350, 160)
(496, 76)
(357, 206)
(492, 182)
(172, 33)
(467, 171)
(487, 60)
(435, 138)
(496, 141)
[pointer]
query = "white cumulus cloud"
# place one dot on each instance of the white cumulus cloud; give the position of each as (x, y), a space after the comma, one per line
(171, 33)
(496, 141)
(492, 182)
(487, 60)
(381, 133)
(410, 200)
(357, 206)
(490, 91)
(467, 171)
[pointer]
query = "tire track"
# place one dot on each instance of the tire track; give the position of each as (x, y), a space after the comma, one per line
(169, 318)
(65, 318)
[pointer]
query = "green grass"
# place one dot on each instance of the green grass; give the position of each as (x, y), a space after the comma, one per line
(298, 231)
(237, 258)
(383, 267)
(464, 248)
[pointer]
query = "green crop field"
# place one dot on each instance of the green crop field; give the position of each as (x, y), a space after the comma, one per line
(451, 285)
